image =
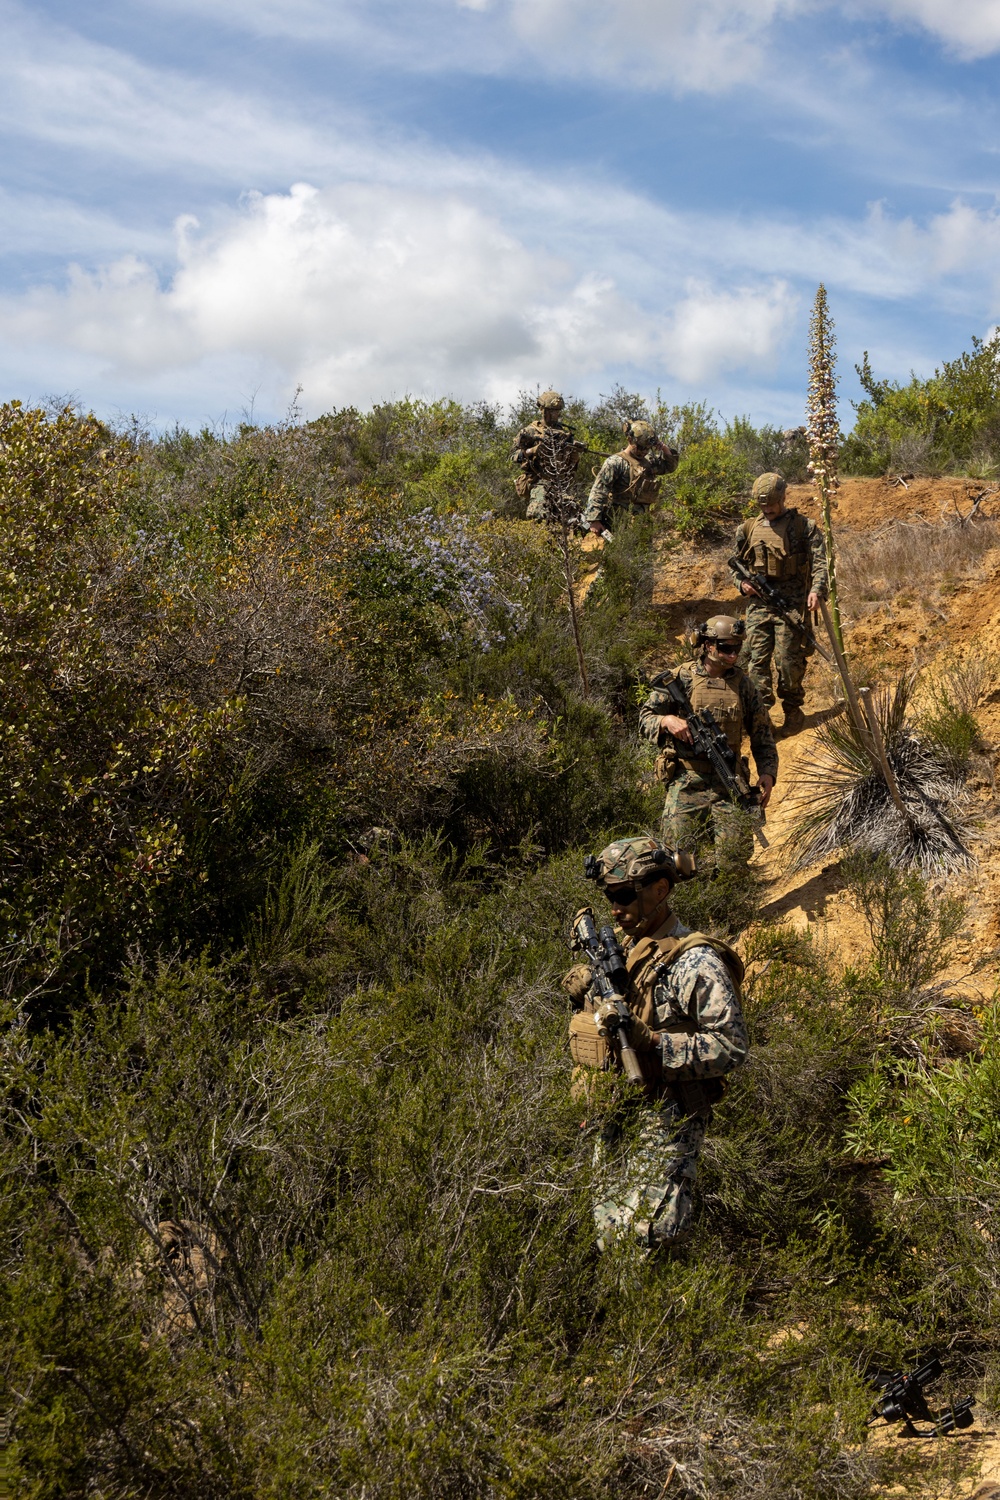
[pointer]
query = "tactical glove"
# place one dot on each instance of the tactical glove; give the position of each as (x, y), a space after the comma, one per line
(576, 982)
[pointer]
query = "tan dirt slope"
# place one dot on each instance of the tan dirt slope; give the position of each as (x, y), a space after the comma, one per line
(931, 625)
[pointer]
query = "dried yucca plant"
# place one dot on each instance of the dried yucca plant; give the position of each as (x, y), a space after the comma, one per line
(843, 800)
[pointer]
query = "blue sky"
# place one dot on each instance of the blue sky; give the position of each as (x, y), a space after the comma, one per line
(209, 204)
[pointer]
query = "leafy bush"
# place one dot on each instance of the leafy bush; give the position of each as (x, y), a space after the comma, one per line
(705, 486)
(948, 422)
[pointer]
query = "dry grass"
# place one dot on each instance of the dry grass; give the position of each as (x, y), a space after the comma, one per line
(928, 558)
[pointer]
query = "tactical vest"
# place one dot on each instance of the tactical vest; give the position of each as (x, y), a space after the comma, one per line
(647, 962)
(721, 696)
(643, 486)
(782, 555)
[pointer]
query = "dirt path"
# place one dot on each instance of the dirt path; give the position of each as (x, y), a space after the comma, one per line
(944, 624)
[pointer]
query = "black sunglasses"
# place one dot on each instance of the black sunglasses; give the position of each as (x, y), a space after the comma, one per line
(729, 648)
(622, 895)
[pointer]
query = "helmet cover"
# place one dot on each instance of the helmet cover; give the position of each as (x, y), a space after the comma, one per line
(768, 487)
(723, 628)
(628, 860)
(642, 434)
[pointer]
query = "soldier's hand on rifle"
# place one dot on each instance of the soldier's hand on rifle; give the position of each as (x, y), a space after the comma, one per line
(677, 727)
(748, 588)
(812, 602)
(602, 1015)
(765, 786)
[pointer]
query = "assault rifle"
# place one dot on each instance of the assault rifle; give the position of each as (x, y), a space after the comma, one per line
(710, 743)
(611, 978)
(903, 1399)
(778, 603)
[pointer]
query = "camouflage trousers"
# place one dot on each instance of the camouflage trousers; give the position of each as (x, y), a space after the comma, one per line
(644, 1182)
(698, 815)
(537, 509)
(540, 510)
(769, 636)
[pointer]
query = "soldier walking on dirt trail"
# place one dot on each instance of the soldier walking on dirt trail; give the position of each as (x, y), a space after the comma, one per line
(698, 812)
(686, 1028)
(629, 480)
(548, 454)
(788, 548)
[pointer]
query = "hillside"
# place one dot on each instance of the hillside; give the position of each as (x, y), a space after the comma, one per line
(936, 618)
(298, 775)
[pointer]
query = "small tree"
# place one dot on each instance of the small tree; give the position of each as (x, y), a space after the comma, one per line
(562, 513)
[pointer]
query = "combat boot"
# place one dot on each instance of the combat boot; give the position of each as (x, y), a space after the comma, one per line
(795, 719)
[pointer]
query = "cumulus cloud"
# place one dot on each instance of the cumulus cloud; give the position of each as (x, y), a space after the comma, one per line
(359, 292)
(715, 331)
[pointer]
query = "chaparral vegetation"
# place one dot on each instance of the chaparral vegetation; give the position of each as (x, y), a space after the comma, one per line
(296, 781)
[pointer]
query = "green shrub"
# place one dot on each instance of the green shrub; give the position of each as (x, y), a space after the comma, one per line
(705, 486)
(948, 422)
(910, 928)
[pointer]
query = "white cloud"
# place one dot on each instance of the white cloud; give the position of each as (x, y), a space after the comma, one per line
(359, 292)
(715, 331)
(952, 254)
(969, 27)
(59, 88)
(675, 44)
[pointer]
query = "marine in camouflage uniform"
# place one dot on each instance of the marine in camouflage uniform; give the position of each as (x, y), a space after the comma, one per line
(629, 480)
(547, 454)
(698, 812)
(788, 548)
(688, 1032)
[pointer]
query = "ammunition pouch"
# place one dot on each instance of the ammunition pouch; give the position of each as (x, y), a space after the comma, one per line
(587, 1047)
(779, 567)
(666, 767)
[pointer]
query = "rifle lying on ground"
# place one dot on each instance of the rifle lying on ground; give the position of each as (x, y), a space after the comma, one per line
(778, 603)
(903, 1399)
(611, 978)
(709, 742)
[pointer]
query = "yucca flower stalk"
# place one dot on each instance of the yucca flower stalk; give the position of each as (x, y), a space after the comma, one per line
(823, 432)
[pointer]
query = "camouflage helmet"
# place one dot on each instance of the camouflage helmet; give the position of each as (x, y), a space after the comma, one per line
(768, 487)
(718, 628)
(724, 628)
(629, 860)
(642, 434)
(550, 401)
